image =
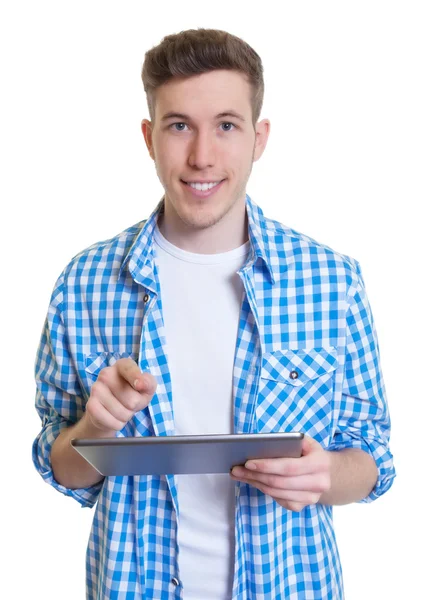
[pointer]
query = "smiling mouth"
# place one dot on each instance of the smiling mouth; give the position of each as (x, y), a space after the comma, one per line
(204, 190)
(202, 187)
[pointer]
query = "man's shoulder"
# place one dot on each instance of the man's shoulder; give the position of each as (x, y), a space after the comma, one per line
(104, 255)
(296, 246)
(120, 242)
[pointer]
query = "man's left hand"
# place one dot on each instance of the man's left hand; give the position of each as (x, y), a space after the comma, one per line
(293, 482)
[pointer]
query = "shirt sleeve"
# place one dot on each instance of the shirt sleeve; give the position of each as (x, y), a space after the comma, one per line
(59, 400)
(364, 420)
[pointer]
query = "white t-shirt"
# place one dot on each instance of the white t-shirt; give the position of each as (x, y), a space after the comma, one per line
(201, 296)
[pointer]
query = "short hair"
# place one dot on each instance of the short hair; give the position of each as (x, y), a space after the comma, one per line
(197, 51)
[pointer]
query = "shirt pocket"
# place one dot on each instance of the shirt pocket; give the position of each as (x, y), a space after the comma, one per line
(295, 392)
(96, 361)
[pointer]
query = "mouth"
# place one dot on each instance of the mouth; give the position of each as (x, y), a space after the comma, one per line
(203, 190)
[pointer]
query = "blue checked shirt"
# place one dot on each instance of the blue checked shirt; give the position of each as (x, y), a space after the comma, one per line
(304, 309)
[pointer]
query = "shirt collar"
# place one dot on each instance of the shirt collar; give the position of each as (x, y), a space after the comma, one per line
(140, 255)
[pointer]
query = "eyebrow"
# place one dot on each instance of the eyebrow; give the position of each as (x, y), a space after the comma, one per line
(227, 113)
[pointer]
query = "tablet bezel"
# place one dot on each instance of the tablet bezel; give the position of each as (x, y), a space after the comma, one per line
(161, 455)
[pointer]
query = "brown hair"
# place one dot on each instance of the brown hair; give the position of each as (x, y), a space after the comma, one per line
(197, 51)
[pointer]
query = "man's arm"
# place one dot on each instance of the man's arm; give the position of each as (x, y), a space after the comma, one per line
(357, 466)
(120, 391)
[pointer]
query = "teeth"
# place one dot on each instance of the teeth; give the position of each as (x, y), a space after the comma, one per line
(204, 186)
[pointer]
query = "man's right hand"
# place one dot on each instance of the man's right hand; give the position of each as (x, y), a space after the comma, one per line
(119, 392)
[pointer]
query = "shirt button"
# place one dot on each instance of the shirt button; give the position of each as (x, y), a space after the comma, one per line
(175, 581)
(294, 374)
(146, 298)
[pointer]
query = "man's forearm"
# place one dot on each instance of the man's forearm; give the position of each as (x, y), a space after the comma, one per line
(70, 469)
(353, 476)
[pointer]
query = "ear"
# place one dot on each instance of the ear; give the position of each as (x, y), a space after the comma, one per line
(146, 127)
(262, 133)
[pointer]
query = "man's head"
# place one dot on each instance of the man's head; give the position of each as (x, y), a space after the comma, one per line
(205, 92)
(198, 51)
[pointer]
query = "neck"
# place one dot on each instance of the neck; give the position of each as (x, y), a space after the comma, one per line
(228, 233)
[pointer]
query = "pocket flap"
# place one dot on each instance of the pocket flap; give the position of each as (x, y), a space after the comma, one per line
(95, 362)
(298, 366)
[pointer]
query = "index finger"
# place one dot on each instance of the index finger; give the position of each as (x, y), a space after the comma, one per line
(288, 467)
(129, 370)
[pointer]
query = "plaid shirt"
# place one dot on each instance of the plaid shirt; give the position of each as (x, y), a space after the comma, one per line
(305, 309)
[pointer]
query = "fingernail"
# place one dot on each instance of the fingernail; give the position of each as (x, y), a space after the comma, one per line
(135, 385)
(251, 465)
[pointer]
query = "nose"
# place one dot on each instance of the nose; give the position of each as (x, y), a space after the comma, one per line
(202, 151)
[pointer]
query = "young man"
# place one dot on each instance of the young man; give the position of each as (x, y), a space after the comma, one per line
(210, 318)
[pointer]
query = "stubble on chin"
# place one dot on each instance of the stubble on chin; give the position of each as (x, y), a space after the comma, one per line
(200, 218)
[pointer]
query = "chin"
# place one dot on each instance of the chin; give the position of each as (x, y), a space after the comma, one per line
(200, 217)
(201, 221)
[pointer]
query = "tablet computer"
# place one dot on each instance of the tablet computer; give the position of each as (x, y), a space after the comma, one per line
(167, 455)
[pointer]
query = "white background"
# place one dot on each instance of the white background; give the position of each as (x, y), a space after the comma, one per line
(345, 164)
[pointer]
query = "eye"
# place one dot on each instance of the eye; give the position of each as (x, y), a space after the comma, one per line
(179, 129)
(227, 123)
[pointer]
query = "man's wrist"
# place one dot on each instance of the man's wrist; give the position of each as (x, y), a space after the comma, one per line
(353, 476)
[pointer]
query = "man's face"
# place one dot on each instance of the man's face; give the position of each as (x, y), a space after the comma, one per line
(203, 144)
